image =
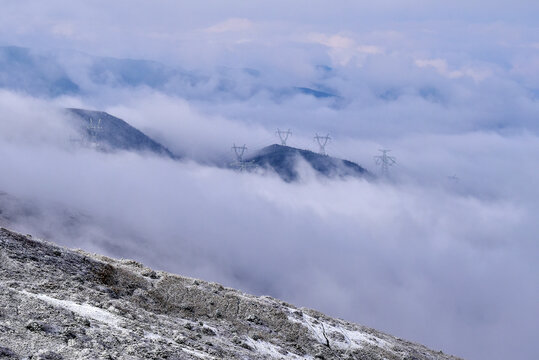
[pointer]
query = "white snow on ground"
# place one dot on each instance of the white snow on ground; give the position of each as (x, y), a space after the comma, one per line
(266, 348)
(353, 339)
(154, 336)
(198, 354)
(84, 310)
(191, 351)
(358, 337)
(95, 313)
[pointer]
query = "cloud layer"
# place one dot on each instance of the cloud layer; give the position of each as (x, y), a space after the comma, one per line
(444, 253)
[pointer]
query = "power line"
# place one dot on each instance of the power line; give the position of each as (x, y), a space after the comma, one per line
(385, 161)
(322, 142)
(283, 135)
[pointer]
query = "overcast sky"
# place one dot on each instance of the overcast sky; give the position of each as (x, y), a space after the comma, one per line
(452, 89)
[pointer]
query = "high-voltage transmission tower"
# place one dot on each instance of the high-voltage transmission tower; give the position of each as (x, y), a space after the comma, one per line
(283, 135)
(322, 142)
(385, 161)
(93, 130)
(241, 164)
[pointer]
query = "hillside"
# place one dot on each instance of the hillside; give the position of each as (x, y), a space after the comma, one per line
(112, 133)
(283, 160)
(63, 304)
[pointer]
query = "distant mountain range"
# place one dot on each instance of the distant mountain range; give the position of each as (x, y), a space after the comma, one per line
(112, 133)
(53, 74)
(68, 72)
(283, 160)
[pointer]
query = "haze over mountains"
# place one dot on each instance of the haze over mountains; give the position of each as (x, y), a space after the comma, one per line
(69, 205)
(73, 73)
(443, 251)
(107, 132)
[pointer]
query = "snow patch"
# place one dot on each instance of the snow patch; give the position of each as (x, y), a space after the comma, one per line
(273, 351)
(84, 310)
(345, 339)
(198, 354)
(154, 336)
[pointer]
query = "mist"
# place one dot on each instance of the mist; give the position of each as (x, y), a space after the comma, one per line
(398, 256)
(443, 252)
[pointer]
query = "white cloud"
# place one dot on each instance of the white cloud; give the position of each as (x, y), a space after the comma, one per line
(231, 25)
(441, 66)
(344, 49)
(410, 254)
(370, 49)
(332, 41)
(63, 29)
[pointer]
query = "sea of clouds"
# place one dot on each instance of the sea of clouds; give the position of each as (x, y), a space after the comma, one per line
(444, 252)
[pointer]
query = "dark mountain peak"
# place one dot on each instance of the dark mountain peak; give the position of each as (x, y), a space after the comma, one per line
(277, 148)
(112, 133)
(283, 160)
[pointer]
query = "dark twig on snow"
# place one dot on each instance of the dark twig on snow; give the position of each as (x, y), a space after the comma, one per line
(325, 337)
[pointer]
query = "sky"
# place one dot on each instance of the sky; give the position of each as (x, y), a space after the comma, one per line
(444, 252)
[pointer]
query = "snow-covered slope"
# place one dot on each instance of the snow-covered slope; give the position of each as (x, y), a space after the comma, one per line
(57, 303)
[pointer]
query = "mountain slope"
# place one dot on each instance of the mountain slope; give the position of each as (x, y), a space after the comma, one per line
(62, 304)
(114, 133)
(283, 160)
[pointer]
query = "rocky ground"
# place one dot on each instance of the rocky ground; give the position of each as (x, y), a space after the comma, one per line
(57, 303)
